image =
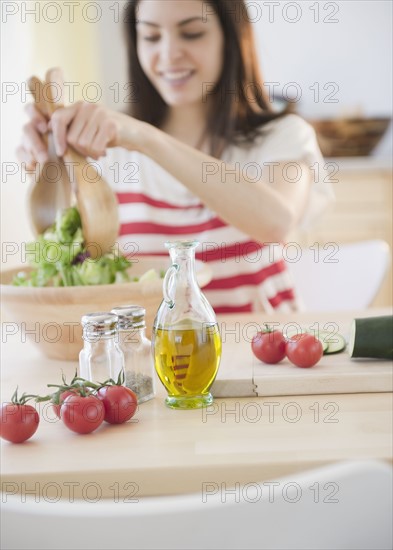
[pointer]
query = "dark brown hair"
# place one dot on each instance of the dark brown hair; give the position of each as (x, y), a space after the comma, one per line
(234, 116)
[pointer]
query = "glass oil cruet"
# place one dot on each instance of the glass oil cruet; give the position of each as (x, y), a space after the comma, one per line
(186, 341)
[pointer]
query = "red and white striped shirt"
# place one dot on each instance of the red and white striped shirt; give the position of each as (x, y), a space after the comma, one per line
(155, 207)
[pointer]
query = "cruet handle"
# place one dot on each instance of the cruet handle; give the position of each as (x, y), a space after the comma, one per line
(168, 285)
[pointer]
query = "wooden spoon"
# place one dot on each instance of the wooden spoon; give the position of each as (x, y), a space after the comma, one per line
(95, 200)
(51, 191)
(97, 203)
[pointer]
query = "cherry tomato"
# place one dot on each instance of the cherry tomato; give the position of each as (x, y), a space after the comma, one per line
(18, 422)
(82, 414)
(63, 396)
(120, 403)
(304, 350)
(269, 346)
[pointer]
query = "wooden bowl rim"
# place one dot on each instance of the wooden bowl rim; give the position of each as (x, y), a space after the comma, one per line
(203, 271)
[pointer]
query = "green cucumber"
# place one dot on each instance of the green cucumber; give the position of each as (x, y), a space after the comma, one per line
(325, 346)
(335, 342)
(372, 337)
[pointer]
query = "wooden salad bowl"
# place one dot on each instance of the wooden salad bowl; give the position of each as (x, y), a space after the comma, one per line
(50, 316)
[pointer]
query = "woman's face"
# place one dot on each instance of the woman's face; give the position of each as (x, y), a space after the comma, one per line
(180, 48)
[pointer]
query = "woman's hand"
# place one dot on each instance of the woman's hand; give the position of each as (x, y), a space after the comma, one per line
(89, 128)
(33, 148)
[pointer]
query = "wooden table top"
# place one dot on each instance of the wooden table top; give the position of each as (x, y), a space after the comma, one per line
(163, 451)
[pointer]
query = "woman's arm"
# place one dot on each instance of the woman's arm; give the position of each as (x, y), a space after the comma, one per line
(267, 210)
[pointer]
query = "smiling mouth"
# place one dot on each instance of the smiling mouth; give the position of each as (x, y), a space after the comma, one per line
(177, 77)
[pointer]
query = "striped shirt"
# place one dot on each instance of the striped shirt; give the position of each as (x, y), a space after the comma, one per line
(154, 207)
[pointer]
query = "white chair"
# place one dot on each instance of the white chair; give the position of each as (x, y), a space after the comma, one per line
(342, 506)
(339, 278)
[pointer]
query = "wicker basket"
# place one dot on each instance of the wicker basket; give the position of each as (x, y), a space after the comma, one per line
(349, 137)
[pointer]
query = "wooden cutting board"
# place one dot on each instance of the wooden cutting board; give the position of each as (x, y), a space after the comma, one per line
(242, 375)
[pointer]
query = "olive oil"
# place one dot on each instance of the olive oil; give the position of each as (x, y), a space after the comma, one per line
(186, 359)
(186, 339)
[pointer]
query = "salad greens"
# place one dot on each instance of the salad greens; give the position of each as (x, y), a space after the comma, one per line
(59, 258)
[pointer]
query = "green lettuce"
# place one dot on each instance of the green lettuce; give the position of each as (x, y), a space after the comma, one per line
(58, 258)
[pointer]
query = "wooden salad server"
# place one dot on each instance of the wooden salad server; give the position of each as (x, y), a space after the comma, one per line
(51, 190)
(95, 200)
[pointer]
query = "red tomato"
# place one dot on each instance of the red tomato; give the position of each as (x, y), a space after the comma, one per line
(18, 422)
(120, 403)
(269, 346)
(304, 350)
(63, 397)
(82, 414)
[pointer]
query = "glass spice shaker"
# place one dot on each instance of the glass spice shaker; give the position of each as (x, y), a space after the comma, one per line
(101, 357)
(136, 347)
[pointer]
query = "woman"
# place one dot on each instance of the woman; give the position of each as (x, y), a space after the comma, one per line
(202, 155)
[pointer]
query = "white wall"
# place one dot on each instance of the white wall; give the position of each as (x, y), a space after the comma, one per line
(15, 60)
(355, 53)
